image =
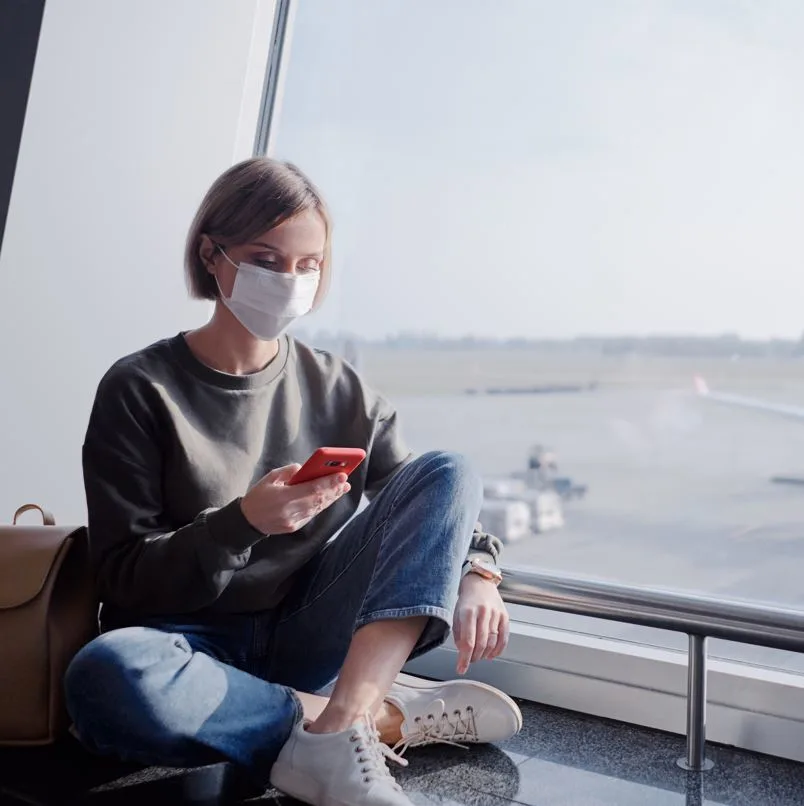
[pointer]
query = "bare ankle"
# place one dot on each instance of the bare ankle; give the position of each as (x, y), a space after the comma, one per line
(333, 719)
(389, 723)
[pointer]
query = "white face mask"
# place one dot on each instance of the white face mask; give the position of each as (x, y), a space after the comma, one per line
(267, 302)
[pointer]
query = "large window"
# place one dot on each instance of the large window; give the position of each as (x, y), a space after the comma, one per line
(586, 213)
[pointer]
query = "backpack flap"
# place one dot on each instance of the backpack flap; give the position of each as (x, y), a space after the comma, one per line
(28, 554)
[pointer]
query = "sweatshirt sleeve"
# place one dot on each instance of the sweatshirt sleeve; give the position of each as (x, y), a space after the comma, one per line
(485, 545)
(141, 562)
(388, 454)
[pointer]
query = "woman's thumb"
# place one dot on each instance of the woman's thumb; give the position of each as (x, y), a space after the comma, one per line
(282, 475)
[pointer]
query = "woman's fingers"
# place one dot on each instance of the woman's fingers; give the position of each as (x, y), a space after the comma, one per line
(465, 640)
(317, 497)
(282, 475)
(482, 630)
(498, 639)
(493, 636)
(481, 622)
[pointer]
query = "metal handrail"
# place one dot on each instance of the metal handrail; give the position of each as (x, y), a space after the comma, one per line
(700, 617)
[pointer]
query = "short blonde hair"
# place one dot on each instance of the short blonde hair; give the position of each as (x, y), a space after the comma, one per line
(251, 197)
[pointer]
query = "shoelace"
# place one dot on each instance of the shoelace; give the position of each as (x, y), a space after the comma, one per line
(441, 729)
(373, 755)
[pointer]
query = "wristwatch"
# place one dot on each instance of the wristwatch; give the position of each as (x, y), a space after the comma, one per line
(483, 568)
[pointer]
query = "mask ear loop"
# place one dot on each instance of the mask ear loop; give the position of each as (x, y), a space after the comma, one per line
(223, 252)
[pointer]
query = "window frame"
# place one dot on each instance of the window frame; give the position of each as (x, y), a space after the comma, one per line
(752, 707)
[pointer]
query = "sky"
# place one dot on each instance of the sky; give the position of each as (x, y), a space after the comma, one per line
(532, 168)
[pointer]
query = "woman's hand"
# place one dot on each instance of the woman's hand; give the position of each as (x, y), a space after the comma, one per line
(481, 623)
(274, 507)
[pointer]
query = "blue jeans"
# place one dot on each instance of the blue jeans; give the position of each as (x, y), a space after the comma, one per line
(201, 689)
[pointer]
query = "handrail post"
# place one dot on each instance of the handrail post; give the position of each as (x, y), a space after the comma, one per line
(696, 759)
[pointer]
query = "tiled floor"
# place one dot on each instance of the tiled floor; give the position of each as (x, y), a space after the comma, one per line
(559, 759)
(567, 759)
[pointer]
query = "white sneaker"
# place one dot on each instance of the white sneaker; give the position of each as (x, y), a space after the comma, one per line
(457, 712)
(339, 769)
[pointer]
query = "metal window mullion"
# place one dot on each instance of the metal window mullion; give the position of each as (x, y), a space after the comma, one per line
(274, 75)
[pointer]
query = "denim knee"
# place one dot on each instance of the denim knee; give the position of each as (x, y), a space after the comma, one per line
(98, 666)
(145, 695)
(107, 662)
(107, 688)
(456, 472)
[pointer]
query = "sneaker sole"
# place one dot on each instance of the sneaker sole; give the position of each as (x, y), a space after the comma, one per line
(298, 786)
(425, 685)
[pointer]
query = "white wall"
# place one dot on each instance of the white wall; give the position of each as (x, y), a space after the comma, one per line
(135, 107)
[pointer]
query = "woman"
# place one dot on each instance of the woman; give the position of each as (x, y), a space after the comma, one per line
(225, 603)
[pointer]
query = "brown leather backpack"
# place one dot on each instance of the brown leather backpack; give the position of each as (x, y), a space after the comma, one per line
(48, 611)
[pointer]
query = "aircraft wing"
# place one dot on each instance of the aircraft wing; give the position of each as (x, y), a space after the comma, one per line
(738, 401)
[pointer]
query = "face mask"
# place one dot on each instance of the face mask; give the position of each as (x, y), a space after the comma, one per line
(266, 302)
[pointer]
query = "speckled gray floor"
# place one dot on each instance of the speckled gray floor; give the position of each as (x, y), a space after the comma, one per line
(567, 759)
(559, 759)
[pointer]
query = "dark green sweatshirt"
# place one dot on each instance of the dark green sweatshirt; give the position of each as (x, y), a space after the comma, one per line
(172, 446)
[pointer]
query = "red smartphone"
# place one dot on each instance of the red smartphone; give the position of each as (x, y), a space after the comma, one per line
(327, 462)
